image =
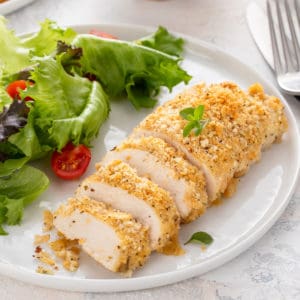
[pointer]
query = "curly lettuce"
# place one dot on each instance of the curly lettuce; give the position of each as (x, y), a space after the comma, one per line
(122, 66)
(163, 41)
(66, 108)
(16, 53)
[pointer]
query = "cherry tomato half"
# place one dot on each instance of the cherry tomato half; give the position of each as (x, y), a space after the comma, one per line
(13, 89)
(102, 34)
(71, 162)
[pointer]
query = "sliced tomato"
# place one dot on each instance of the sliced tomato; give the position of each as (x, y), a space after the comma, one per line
(13, 89)
(71, 162)
(102, 34)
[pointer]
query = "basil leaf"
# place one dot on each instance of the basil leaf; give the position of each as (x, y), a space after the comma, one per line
(198, 130)
(187, 112)
(200, 237)
(198, 113)
(194, 116)
(188, 128)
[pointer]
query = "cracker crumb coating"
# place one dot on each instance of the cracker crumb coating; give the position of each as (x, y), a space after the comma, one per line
(134, 246)
(196, 197)
(238, 127)
(121, 175)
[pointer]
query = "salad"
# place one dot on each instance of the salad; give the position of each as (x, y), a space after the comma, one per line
(55, 92)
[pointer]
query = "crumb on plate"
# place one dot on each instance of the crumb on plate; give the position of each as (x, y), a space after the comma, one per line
(48, 221)
(41, 239)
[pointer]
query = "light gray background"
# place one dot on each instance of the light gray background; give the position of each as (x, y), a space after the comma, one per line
(268, 270)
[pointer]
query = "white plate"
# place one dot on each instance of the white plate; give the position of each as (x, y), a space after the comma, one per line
(235, 225)
(12, 5)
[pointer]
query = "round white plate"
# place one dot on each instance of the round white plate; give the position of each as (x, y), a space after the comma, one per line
(261, 197)
(12, 5)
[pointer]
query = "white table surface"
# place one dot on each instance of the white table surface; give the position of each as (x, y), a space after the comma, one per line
(268, 270)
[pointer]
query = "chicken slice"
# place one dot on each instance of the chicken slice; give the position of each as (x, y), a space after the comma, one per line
(118, 185)
(277, 122)
(167, 167)
(231, 141)
(113, 238)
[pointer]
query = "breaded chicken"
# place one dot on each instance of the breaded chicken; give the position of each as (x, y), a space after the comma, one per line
(113, 238)
(167, 167)
(238, 128)
(118, 185)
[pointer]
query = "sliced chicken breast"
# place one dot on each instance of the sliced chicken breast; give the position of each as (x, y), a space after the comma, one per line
(231, 141)
(167, 167)
(118, 185)
(113, 238)
(277, 122)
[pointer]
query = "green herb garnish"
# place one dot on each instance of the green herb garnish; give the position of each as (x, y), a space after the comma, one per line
(200, 237)
(194, 116)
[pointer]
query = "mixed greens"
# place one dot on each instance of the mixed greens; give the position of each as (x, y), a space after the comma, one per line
(69, 80)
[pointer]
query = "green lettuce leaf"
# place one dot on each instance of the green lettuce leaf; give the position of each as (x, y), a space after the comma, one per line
(29, 141)
(44, 42)
(5, 99)
(13, 56)
(163, 41)
(16, 53)
(10, 165)
(17, 191)
(123, 66)
(66, 108)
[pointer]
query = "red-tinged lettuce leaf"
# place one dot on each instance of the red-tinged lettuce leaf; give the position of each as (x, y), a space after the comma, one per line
(69, 56)
(29, 141)
(12, 119)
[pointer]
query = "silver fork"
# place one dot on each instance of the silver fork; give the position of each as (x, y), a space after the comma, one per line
(284, 23)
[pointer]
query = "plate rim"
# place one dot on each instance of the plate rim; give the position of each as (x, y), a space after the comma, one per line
(151, 281)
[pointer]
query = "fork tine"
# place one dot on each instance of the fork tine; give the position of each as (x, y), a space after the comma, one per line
(295, 41)
(296, 4)
(287, 53)
(276, 56)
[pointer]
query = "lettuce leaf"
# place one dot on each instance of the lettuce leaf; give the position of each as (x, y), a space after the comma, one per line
(163, 41)
(66, 108)
(16, 53)
(29, 141)
(17, 191)
(44, 42)
(13, 56)
(4, 97)
(8, 166)
(123, 66)
(13, 118)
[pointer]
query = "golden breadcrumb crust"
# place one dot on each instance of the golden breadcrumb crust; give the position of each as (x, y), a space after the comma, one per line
(121, 175)
(196, 197)
(234, 136)
(134, 247)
